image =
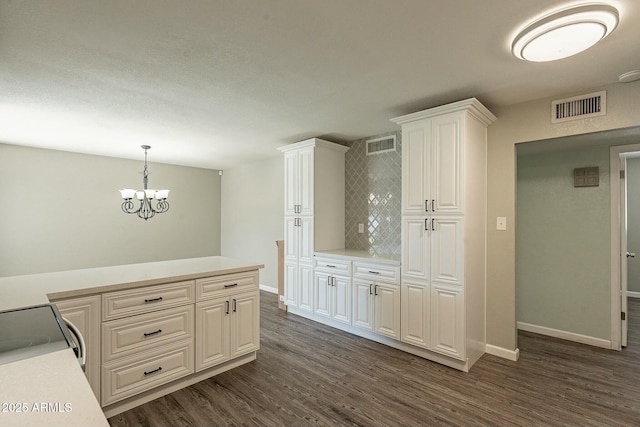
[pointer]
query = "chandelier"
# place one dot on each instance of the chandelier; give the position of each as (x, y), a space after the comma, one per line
(145, 210)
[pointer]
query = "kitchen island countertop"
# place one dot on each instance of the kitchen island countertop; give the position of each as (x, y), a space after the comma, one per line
(51, 389)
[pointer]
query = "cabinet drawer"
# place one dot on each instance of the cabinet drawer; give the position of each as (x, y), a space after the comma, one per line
(143, 300)
(130, 335)
(333, 265)
(213, 287)
(376, 272)
(146, 370)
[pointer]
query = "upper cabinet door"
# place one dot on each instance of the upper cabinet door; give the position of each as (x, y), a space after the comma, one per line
(415, 167)
(298, 182)
(446, 167)
(305, 181)
(291, 183)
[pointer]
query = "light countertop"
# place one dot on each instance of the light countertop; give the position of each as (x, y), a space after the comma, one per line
(48, 390)
(35, 289)
(358, 255)
(51, 390)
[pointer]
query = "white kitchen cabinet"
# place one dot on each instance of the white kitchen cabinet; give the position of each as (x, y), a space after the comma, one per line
(433, 249)
(291, 281)
(333, 297)
(447, 321)
(313, 201)
(386, 302)
(431, 156)
(377, 298)
(444, 220)
(305, 287)
(299, 183)
(84, 313)
(245, 324)
(133, 362)
(363, 304)
(227, 328)
(212, 322)
(298, 239)
(416, 310)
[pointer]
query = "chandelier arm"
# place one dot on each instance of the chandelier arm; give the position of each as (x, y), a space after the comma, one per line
(127, 206)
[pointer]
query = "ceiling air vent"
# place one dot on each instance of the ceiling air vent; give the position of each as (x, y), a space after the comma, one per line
(579, 107)
(381, 145)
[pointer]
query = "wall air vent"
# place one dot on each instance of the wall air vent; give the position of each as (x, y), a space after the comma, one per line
(579, 107)
(381, 145)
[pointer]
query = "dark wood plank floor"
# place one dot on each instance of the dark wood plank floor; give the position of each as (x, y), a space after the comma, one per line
(308, 374)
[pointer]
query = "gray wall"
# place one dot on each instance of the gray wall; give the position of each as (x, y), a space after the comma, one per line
(373, 186)
(563, 270)
(61, 211)
(530, 121)
(633, 223)
(253, 215)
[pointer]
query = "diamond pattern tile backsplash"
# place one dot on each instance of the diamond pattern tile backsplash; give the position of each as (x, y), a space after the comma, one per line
(373, 185)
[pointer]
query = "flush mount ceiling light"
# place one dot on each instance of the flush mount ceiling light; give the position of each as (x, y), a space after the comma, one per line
(565, 33)
(145, 196)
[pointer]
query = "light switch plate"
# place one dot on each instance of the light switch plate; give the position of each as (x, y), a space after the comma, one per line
(360, 228)
(501, 223)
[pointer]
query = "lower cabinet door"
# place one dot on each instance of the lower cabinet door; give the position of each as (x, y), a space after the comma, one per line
(322, 295)
(305, 300)
(245, 324)
(387, 310)
(363, 304)
(145, 371)
(447, 321)
(415, 322)
(212, 333)
(291, 279)
(341, 299)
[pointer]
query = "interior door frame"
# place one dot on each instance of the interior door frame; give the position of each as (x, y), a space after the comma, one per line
(616, 241)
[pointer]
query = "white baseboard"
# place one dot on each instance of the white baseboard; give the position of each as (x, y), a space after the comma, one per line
(570, 336)
(268, 289)
(505, 353)
(632, 294)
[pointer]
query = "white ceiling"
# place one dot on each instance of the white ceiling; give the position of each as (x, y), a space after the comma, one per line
(216, 83)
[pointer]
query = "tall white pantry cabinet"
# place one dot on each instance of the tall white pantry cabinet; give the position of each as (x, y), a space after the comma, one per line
(313, 200)
(444, 217)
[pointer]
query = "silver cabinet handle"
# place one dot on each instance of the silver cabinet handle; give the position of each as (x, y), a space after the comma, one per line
(148, 334)
(330, 266)
(153, 300)
(235, 305)
(374, 272)
(433, 226)
(227, 303)
(375, 290)
(426, 224)
(433, 201)
(370, 289)
(231, 286)
(426, 206)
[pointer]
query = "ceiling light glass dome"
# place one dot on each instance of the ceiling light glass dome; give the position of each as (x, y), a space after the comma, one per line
(565, 33)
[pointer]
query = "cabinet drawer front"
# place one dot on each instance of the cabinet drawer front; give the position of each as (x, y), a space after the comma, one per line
(145, 371)
(376, 272)
(332, 265)
(124, 337)
(214, 287)
(144, 300)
